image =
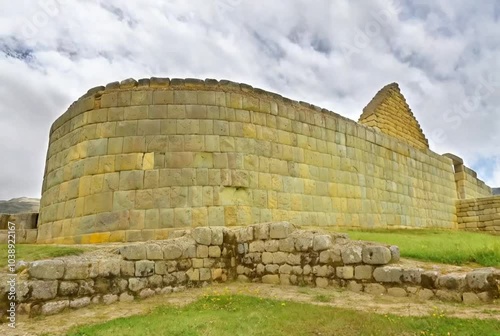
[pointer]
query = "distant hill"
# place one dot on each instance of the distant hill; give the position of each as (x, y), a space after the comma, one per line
(496, 191)
(19, 205)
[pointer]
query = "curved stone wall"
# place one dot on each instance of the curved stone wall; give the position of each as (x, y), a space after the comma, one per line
(132, 160)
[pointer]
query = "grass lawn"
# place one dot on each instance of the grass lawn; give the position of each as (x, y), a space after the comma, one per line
(245, 315)
(450, 247)
(28, 252)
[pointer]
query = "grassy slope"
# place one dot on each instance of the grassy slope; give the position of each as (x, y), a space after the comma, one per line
(450, 247)
(28, 252)
(243, 315)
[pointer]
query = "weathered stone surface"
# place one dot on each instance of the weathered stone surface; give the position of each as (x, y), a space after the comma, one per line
(363, 272)
(108, 299)
(425, 294)
(214, 251)
(280, 230)
(451, 281)
(388, 274)
(470, 298)
(286, 245)
(279, 257)
(80, 269)
(154, 252)
(272, 268)
(375, 289)
(321, 282)
(428, 279)
(261, 231)
(353, 286)
(193, 274)
(144, 268)
(244, 235)
(172, 251)
(397, 292)
(267, 258)
(322, 242)
(55, 307)
(47, 269)
(43, 290)
(146, 292)
(256, 246)
(345, 272)
(481, 279)
(205, 274)
(202, 235)
(303, 241)
(271, 245)
(271, 279)
(136, 284)
(108, 267)
(332, 256)
(352, 254)
(134, 252)
(127, 268)
(79, 302)
(447, 295)
(125, 297)
(202, 251)
(217, 235)
(376, 255)
(412, 275)
(395, 253)
(68, 288)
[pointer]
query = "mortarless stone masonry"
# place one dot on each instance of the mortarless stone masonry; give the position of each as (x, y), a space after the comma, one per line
(134, 160)
(274, 253)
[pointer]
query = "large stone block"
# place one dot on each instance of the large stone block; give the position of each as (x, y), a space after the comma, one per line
(322, 242)
(47, 269)
(376, 255)
(43, 290)
(352, 254)
(134, 252)
(280, 230)
(172, 251)
(388, 274)
(482, 279)
(202, 235)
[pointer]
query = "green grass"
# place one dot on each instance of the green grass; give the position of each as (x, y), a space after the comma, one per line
(29, 252)
(450, 247)
(251, 316)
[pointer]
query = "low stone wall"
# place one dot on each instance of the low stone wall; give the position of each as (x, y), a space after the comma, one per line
(479, 214)
(275, 253)
(25, 227)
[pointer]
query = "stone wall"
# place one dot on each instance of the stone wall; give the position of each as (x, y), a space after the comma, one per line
(25, 227)
(480, 214)
(275, 253)
(468, 184)
(134, 160)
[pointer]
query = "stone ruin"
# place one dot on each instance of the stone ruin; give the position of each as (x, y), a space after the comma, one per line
(272, 253)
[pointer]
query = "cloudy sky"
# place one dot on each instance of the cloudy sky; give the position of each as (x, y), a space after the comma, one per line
(337, 54)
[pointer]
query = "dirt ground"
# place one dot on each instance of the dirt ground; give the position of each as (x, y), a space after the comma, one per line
(61, 323)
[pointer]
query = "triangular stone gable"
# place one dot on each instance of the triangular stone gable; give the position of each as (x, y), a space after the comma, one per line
(389, 112)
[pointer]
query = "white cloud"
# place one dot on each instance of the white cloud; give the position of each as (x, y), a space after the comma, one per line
(437, 51)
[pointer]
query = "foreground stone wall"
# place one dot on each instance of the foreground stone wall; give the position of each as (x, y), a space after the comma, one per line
(480, 214)
(134, 160)
(275, 253)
